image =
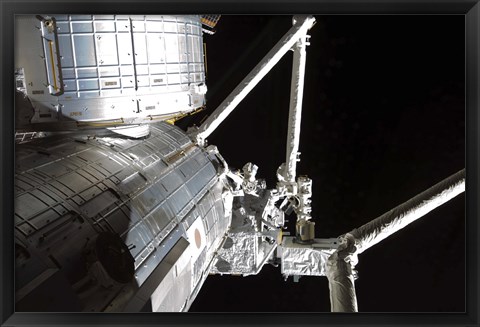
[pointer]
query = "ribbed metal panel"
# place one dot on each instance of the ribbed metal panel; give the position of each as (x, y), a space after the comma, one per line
(110, 68)
(149, 192)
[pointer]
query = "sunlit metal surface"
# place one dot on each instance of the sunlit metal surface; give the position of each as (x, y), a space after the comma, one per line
(150, 192)
(125, 217)
(107, 68)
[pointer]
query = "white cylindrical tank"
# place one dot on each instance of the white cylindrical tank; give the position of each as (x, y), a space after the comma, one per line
(75, 71)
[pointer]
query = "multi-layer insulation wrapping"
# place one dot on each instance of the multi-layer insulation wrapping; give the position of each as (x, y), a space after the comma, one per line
(304, 260)
(394, 220)
(340, 267)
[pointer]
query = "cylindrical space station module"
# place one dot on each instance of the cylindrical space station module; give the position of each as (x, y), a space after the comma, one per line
(83, 71)
(112, 224)
(109, 222)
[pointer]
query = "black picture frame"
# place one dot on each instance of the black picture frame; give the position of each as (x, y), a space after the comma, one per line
(471, 10)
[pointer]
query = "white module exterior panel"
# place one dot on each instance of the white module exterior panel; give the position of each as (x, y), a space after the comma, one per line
(110, 68)
(152, 194)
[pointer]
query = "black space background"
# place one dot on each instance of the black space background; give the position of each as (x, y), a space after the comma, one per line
(383, 119)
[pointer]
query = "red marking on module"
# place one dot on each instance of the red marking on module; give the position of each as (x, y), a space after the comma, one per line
(198, 238)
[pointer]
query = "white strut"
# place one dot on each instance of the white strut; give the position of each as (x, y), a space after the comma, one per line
(299, 30)
(295, 113)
